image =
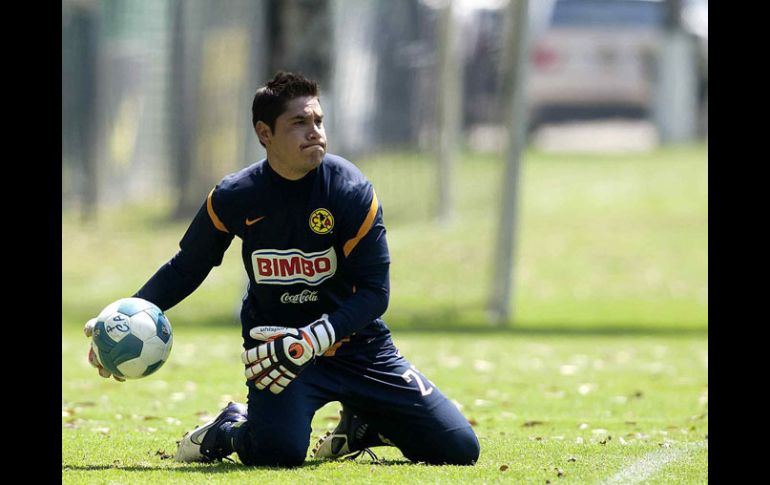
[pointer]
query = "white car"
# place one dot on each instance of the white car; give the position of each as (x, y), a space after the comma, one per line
(596, 60)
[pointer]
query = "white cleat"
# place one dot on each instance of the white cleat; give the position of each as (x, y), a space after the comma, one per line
(193, 447)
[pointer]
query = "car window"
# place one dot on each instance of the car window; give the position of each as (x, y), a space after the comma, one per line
(608, 13)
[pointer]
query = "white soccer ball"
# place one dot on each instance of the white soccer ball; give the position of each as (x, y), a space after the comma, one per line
(132, 338)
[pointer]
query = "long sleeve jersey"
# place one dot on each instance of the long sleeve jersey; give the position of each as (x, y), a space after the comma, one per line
(311, 246)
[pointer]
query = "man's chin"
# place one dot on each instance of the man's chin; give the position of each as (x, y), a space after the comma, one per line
(315, 159)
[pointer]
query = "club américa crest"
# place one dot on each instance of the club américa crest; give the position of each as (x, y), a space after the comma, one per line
(321, 221)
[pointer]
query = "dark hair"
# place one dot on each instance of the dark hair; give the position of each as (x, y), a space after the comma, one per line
(272, 98)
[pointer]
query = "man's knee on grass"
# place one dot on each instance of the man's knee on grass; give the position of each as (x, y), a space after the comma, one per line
(460, 447)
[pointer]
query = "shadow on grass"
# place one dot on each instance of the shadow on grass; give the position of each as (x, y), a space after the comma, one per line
(437, 324)
(223, 467)
(196, 468)
(449, 323)
(556, 329)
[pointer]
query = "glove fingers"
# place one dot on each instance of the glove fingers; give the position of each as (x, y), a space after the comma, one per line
(92, 358)
(255, 371)
(257, 354)
(119, 379)
(104, 372)
(88, 329)
(277, 380)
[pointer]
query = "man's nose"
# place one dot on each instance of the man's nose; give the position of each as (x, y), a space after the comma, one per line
(315, 132)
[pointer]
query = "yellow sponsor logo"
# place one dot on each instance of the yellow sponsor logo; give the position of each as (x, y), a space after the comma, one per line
(321, 221)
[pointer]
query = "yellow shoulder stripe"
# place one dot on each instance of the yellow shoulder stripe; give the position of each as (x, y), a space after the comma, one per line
(365, 226)
(213, 215)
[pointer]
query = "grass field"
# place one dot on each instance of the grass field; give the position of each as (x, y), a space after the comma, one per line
(603, 377)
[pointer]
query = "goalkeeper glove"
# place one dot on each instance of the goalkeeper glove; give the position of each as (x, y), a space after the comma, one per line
(285, 353)
(93, 359)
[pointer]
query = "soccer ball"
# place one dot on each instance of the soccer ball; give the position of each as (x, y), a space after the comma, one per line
(132, 338)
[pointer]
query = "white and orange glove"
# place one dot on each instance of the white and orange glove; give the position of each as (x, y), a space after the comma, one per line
(88, 329)
(286, 352)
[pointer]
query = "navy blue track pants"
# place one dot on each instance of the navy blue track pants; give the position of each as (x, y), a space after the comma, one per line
(381, 386)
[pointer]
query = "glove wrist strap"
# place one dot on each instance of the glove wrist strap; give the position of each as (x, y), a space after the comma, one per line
(321, 333)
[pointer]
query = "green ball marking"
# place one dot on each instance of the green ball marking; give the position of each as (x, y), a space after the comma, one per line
(128, 348)
(152, 368)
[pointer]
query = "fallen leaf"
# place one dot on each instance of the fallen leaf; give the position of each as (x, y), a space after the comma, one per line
(637, 394)
(559, 472)
(572, 459)
(473, 422)
(73, 423)
(163, 455)
(530, 424)
(503, 468)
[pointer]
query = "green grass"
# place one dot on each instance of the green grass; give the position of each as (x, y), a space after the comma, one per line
(646, 393)
(609, 329)
(604, 241)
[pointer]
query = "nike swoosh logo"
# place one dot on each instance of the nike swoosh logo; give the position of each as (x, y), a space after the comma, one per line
(250, 222)
(196, 436)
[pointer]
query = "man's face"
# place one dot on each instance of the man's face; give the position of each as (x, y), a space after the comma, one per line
(298, 143)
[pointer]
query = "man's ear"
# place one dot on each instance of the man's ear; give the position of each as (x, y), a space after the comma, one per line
(264, 133)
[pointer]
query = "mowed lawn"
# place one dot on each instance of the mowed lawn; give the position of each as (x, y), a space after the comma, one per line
(578, 409)
(601, 378)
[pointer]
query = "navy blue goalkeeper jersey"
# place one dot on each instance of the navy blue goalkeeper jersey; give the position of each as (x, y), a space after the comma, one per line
(311, 246)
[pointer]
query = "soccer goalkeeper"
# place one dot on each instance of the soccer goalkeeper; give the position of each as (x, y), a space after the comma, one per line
(315, 252)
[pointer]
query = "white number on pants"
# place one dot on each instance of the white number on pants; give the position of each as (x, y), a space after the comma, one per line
(412, 373)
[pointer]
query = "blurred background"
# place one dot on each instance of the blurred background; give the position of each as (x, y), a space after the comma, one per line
(541, 165)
